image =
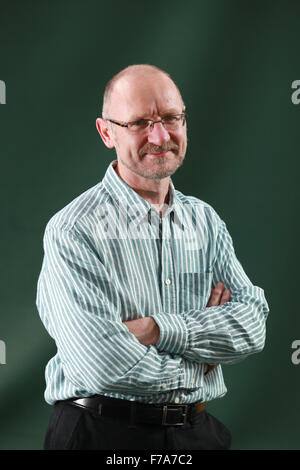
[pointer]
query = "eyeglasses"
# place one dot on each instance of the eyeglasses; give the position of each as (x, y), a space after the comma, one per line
(170, 123)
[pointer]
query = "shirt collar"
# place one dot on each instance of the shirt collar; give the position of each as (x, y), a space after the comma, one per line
(133, 203)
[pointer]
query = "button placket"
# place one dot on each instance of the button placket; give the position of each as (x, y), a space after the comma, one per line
(167, 274)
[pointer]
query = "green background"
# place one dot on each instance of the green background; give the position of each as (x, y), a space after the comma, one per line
(234, 62)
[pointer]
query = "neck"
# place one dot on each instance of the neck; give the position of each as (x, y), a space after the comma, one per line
(156, 192)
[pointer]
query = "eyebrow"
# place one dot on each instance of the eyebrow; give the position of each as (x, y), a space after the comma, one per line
(165, 113)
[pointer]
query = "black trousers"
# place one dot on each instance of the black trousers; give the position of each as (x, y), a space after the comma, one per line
(74, 428)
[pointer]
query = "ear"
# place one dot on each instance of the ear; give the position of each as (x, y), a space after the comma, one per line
(105, 132)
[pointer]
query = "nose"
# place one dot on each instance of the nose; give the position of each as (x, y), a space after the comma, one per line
(158, 135)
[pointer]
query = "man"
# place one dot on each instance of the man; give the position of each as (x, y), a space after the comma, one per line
(141, 290)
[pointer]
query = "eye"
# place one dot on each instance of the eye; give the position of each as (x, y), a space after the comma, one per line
(171, 118)
(140, 123)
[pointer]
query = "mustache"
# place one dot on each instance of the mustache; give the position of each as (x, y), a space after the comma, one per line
(150, 148)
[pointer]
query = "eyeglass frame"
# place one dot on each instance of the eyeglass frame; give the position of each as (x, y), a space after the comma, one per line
(151, 126)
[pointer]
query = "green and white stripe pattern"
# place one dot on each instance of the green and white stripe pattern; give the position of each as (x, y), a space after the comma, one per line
(110, 258)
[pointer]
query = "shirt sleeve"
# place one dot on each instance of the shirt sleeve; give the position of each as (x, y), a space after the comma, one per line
(79, 307)
(223, 334)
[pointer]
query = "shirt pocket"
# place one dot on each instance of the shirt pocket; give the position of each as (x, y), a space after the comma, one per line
(194, 290)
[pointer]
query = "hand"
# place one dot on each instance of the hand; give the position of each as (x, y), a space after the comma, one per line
(144, 329)
(219, 295)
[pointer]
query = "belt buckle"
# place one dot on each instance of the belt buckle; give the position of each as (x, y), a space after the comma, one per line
(164, 416)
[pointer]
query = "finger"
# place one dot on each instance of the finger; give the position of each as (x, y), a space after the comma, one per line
(216, 295)
(225, 296)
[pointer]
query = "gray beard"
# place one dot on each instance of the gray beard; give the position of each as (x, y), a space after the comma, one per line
(158, 173)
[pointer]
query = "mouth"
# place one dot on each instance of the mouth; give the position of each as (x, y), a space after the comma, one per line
(158, 155)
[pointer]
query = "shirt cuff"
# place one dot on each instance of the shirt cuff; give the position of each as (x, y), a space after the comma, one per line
(193, 374)
(173, 335)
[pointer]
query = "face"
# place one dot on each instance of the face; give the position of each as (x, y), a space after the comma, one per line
(152, 154)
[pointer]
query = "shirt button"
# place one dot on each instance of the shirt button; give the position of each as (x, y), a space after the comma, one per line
(192, 380)
(164, 385)
(176, 400)
(168, 282)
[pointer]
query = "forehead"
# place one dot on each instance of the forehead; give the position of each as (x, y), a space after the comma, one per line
(145, 95)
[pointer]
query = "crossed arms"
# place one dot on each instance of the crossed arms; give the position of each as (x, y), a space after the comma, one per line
(146, 329)
(78, 304)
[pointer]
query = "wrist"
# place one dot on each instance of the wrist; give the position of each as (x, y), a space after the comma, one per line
(145, 330)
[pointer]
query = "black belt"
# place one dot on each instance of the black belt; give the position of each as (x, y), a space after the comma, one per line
(135, 412)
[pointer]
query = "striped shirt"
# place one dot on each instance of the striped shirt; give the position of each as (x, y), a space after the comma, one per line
(109, 258)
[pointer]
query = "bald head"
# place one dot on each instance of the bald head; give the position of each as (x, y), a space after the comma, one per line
(129, 78)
